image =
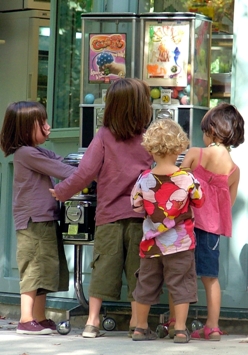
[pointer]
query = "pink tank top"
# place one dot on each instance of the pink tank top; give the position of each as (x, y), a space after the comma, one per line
(215, 216)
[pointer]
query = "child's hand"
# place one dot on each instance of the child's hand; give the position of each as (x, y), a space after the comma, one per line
(54, 194)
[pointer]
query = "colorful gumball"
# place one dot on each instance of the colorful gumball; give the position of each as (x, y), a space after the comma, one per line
(184, 100)
(155, 93)
(89, 99)
(187, 90)
(181, 94)
(174, 93)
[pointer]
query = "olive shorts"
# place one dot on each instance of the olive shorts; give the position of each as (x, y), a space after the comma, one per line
(116, 249)
(41, 259)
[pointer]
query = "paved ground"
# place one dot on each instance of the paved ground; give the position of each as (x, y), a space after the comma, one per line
(112, 343)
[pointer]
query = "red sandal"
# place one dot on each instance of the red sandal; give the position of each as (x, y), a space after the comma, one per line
(206, 333)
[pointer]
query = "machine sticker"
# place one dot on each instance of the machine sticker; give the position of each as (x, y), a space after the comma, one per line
(166, 51)
(73, 229)
(107, 57)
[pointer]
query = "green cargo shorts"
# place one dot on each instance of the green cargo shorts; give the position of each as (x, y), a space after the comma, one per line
(116, 249)
(40, 258)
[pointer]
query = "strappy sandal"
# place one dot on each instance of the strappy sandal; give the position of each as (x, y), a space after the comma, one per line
(90, 331)
(206, 333)
(185, 339)
(144, 334)
(170, 327)
(130, 332)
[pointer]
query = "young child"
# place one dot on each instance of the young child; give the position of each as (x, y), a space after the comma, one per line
(223, 127)
(166, 193)
(40, 254)
(115, 157)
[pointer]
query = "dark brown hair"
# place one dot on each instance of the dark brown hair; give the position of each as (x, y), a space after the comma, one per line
(225, 124)
(19, 124)
(127, 109)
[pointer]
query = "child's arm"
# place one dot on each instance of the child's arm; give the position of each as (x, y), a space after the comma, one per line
(197, 195)
(191, 159)
(137, 198)
(233, 187)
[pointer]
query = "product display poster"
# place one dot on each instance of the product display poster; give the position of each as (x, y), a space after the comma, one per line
(166, 53)
(107, 57)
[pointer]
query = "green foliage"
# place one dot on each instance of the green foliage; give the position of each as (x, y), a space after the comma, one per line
(68, 63)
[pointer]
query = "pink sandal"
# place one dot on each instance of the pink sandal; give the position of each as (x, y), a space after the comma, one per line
(207, 334)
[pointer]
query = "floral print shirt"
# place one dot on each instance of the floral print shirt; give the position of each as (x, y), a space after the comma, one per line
(167, 199)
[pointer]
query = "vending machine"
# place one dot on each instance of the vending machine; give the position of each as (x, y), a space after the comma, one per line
(169, 51)
(175, 61)
(109, 52)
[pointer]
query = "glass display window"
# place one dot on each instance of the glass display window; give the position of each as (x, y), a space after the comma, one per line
(221, 68)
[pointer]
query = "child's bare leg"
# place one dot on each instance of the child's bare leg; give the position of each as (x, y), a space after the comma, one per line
(172, 314)
(27, 305)
(94, 311)
(213, 295)
(142, 315)
(172, 318)
(133, 320)
(39, 308)
(181, 313)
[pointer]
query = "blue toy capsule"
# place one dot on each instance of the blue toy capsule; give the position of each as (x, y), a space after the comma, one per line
(89, 99)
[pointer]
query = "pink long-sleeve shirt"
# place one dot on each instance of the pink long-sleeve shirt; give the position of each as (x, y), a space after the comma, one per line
(116, 166)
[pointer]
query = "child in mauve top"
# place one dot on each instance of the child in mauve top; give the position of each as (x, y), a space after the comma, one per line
(223, 127)
(40, 253)
(115, 158)
(166, 193)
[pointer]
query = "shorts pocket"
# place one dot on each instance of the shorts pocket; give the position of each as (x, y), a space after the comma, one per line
(136, 274)
(213, 241)
(95, 258)
(107, 239)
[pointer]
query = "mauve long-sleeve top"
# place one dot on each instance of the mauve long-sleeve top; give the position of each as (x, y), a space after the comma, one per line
(116, 165)
(34, 171)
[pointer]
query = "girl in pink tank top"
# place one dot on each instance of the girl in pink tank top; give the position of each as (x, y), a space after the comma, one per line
(213, 167)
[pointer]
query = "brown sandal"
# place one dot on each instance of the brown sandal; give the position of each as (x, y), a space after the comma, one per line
(171, 330)
(130, 332)
(185, 339)
(144, 334)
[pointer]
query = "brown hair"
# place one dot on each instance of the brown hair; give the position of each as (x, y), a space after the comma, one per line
(127, 109)
(19, 124)
(224, 123)
(165, 137)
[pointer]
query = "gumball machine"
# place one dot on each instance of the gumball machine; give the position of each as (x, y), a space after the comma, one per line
(175, 62)
(109, 52)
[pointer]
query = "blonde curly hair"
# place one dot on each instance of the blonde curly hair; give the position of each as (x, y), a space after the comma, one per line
(165, 136)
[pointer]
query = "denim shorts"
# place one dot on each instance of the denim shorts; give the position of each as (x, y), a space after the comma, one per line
(207, 253)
